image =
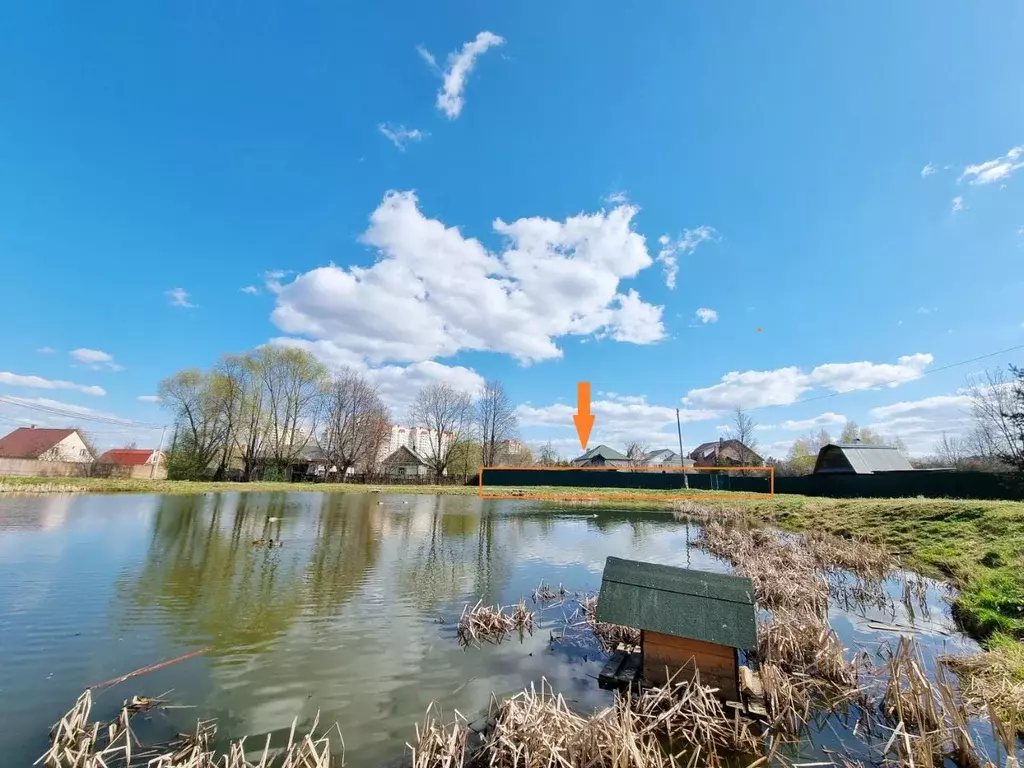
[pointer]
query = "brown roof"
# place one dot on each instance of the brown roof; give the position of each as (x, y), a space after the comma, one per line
(30, 442)
(126, 457)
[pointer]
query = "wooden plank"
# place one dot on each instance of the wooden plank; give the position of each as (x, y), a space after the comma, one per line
(607, 678)
(658, 655)
(689, 644)
(630, 669)
(726, 684)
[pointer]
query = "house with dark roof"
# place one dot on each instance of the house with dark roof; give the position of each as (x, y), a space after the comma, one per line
(132, 457)
(725, 453)
(692, 623)
(860, 459)
(43, 444)
(601, 456)
(406, 462)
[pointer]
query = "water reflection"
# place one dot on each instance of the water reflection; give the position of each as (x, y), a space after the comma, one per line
(343, 618)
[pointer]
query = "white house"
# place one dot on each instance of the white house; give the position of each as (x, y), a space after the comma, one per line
(45, 444)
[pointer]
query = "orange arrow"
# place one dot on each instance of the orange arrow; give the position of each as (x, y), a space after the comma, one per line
(583, 418)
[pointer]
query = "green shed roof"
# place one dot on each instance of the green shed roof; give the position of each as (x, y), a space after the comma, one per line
(714, 607)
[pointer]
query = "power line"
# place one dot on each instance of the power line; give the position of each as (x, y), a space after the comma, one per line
(74, 415)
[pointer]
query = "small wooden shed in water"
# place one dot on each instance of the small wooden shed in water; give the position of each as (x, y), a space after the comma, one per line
(687, 620)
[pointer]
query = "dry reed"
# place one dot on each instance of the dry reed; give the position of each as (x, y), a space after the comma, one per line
(78, 742)
(988, 685)
(492, 624)
(439, 744)
(608, 635)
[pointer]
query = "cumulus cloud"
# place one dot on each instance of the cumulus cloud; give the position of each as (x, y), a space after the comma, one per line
(684, 244)
(96, 359)
(818, 422)
(619, 419)
(928, 170)
(921, 423)
(399, 135)
(706, 315)
(149, 398)
(38, 382)
(958, 203)
(783, 386)
(994, 170)
(252, 290)
(549, 280)
(179, 297)
(459, 66)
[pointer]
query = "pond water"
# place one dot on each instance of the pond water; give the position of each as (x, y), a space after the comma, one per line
(353, 616)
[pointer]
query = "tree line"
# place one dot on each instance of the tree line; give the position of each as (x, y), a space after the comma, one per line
(261, 412)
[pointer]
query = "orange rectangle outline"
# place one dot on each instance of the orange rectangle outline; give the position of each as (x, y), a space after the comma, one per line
(622, 496)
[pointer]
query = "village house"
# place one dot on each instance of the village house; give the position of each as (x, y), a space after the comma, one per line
(601, 456)
(665, 459)
(860, 459)
(43, 444)
(133, 457)
(725, 453)
(406, 462)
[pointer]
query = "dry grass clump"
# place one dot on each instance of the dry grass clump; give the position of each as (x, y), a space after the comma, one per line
(787, 698)
(693, 511)
(492, 624)
(987, 685)
(930, 717)
(864, 558)
(655, 729)
(78, 743)
(802, 644)
(440, 745)
(609, 635)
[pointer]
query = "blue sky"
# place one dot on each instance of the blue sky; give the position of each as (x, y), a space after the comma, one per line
(843, 177)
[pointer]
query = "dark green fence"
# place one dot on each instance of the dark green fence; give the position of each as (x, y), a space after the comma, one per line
(932, 485)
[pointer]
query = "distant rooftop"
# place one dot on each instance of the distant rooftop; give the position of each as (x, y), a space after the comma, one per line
(860, 459)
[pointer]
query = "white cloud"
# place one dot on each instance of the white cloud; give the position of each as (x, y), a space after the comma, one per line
(148, 398)
(46, 350)
(685, 244)
(783, 386)
(928, 170)
(37, 382)
(429, 58)
(95, 359)
(617, 422)
(706, 315)
(179, 297)
(994, 170)
(460, 65)
(822, 421)
(926, 310)
(921, 423)
(958, 203)
(551, 279)
(399, 135)
(252, 290)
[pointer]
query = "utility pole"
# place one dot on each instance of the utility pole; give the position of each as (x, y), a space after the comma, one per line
(682, 459)
(156, 459)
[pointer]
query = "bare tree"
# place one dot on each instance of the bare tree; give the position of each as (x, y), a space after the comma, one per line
(951, 451)
(447, 414)
(636, 453)
(350, 412)
(253, 416)
(995, 436)
(293, 380)
(496, 421)
(547, 456)
(743, 426)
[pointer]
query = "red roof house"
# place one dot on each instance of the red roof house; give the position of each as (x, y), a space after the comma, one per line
(131, 457)
(45, 444)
